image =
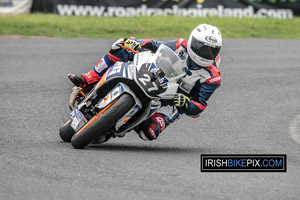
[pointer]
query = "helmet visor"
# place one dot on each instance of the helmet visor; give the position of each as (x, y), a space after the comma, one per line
(203, 50)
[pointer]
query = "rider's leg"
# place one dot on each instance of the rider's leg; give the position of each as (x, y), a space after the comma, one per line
(153, 126)
(90, 78)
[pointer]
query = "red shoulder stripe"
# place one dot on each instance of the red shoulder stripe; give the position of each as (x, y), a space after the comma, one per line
(146, 41)
(180, 42)
(214, 70)
(217, 59)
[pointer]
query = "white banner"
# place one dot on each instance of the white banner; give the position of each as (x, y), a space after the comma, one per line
(198, 11)
(15, 7)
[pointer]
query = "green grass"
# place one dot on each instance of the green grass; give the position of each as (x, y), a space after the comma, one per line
(144, 27)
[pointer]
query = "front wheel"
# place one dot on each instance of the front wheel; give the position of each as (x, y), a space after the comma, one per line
(102, 122)
(66, 132)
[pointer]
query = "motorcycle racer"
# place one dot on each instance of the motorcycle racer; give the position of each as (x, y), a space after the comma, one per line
(201, 59)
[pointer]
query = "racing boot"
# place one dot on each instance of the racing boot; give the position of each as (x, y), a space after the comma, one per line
(85, 81)
(78, 81)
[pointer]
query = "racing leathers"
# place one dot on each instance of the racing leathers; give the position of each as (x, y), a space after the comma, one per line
(198, 84)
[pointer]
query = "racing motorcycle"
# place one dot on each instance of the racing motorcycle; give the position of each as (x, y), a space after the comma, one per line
(126, 95)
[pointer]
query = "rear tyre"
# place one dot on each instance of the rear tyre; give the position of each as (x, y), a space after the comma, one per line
(66, 133)
(104, 122)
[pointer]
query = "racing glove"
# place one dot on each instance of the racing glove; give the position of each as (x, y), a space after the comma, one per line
(181, 101)
(118, 45)
(130, 42)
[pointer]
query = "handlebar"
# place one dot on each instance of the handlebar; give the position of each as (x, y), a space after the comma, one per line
(132, 50)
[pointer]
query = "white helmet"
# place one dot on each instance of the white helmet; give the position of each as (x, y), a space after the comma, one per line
(204, 44)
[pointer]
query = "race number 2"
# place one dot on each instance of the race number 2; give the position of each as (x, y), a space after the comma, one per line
(146, 80)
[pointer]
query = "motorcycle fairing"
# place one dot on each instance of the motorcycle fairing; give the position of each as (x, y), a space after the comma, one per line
(116, 93)
(118, 70)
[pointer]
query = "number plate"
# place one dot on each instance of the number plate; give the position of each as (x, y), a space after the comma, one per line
(76, 118)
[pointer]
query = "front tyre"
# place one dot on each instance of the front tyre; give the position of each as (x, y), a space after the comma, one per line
(99, 126)
(66, 132)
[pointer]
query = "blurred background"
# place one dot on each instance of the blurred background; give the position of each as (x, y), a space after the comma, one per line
(194, 8)
(149, 18)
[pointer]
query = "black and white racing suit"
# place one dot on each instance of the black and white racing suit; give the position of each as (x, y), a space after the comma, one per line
(198, 84)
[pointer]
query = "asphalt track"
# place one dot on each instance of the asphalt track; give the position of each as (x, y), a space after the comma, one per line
(255, 111)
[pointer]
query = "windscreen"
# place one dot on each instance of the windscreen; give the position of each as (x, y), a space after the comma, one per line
(168, 62)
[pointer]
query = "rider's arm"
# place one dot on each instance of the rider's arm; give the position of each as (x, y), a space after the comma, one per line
(150, 44)
(124, 55)
(115, 55)
(202, 92)
(153, 44)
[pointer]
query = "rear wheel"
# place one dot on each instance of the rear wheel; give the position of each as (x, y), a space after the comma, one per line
(66, 132)
(100, 124)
